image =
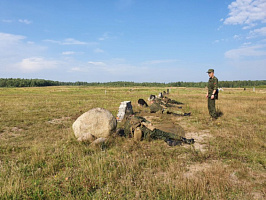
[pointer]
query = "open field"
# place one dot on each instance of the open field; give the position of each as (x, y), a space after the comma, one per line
(41, 159)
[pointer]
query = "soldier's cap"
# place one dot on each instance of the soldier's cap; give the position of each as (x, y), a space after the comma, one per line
(210, 70)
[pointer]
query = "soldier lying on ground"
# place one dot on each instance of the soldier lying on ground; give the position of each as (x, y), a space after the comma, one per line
(167, 100)
(163, 106)
(139, 128)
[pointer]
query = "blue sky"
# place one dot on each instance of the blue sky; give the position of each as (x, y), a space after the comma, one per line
(133, 40)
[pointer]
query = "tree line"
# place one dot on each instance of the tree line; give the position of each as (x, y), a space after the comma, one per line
(18, 82)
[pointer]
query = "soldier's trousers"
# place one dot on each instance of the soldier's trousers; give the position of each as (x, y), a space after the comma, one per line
(211, 107)
(169, 111)
(159, 134)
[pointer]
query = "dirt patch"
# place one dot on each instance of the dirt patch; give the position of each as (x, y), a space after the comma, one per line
(201, 139)
(195, 169)
(262, 111)
(214, 169)
(16, 129)
(60, 120)
(9, 132)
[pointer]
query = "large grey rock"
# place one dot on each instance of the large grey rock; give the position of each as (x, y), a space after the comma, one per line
(97, 122)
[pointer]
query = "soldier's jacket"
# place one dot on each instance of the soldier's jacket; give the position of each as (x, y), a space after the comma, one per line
(160, 104)
(160, 107)
(156, 107)
(132, 122)
(213, 85)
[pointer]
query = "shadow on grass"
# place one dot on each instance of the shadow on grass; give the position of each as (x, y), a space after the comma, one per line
(219, 113)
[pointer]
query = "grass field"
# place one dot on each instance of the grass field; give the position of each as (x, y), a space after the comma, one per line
(41, 159)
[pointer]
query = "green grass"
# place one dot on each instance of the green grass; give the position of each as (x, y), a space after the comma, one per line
(41, 159)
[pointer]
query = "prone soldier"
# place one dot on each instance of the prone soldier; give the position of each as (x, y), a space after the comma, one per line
(139, 128)
(164, 106)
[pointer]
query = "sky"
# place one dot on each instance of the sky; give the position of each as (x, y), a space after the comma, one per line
(133, 40)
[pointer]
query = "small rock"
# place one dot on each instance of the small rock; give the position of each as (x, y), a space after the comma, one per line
(99, 141)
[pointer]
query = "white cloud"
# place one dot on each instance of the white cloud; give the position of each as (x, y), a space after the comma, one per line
(77, 69)
(246, 12)
(15, 47)
(105, 36)
(246, 43)
(221, 40)
(34, 64)
(30, 42)
(155, 62)
(108, 35)
(258, 32)
(11, 48)
(98, 50)
(68, 41)
(114, 66)
(25, 21)
(246, 51)
(97, 63)
(7, 20)
(237, 37)
(119, 69)
(6, 37)
(68, 53)
(122, 4)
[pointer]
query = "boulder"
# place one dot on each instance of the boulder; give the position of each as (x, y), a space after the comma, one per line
(97, 122)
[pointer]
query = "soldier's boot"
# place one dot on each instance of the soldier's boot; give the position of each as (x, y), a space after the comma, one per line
(174, 142)
(120, 132)
(188, 141)
(137, 134)
(213, 118)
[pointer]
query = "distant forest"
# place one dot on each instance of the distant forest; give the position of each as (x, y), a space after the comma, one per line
(18, 82)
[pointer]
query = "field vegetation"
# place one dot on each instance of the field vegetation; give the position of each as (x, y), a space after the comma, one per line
(18, 82)
(40, 157)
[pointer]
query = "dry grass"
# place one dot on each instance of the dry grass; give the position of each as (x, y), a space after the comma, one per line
(41, 159)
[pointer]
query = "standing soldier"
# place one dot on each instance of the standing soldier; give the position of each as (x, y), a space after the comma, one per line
(212, 93)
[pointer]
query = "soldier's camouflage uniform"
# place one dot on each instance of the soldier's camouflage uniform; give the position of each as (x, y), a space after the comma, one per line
(164, 106)
(132, 123)
(212, 85)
